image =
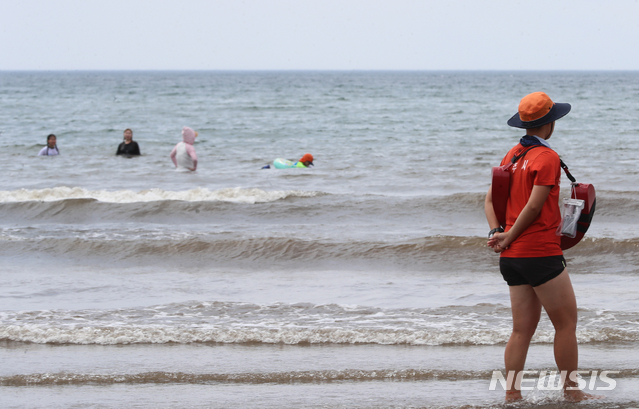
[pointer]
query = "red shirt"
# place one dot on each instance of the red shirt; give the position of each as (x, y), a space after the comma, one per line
(540, 167)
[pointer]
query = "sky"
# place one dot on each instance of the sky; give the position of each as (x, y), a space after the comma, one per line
(319, 35)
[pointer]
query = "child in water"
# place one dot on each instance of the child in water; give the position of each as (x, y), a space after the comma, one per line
(305, 161)
(183, 154)
(51, 149)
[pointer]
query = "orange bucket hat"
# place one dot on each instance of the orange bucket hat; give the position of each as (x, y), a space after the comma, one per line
(537, 109)
(307, 158)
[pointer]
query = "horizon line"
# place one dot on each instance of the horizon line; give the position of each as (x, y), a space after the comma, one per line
(312, 70)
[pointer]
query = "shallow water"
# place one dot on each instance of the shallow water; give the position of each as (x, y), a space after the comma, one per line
(363, 282)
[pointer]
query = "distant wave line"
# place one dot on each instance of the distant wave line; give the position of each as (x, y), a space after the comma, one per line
(237, 195)
(278, 249)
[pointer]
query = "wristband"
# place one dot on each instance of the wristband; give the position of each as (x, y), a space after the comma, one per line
(495, 230)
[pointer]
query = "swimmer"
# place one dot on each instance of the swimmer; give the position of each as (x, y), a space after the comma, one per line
(183, 154)
(305, 161)
(129, 147)
(51, 149)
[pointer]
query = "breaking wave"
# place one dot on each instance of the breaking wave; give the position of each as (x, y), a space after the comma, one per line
(286, 377)
(296, 324)
(233, 195)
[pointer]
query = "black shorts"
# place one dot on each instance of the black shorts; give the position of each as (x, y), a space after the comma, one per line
(531, 270)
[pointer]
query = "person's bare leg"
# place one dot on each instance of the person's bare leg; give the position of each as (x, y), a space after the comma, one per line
(558, 299)
(526, 311)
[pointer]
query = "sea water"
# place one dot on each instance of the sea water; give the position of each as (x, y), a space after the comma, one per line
(362, 282)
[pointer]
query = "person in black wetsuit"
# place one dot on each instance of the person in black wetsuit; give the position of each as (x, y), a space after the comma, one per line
(129, 147)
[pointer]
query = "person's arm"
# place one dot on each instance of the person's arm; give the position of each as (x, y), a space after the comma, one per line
(528, 214)
(136, 148)
(173, 153)
(191, 152)
(117, 152)
(43, 152)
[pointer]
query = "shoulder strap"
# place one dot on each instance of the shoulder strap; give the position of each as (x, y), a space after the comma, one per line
(561, 162)
(521, 155)
(517, 157)
(565, 168)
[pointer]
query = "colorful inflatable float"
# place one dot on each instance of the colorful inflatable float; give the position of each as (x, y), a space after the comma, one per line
(305, 161)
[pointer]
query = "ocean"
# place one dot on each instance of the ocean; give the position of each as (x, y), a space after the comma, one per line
(363, 282)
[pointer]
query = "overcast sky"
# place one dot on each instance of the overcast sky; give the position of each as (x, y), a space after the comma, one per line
(319, 34)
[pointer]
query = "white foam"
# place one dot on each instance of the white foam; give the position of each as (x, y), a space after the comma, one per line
(282, 323)
(162, 334)
(234, 195)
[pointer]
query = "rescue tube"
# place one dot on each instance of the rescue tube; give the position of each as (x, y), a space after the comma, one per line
(280, 163)
(501, 185)
(501, 190)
